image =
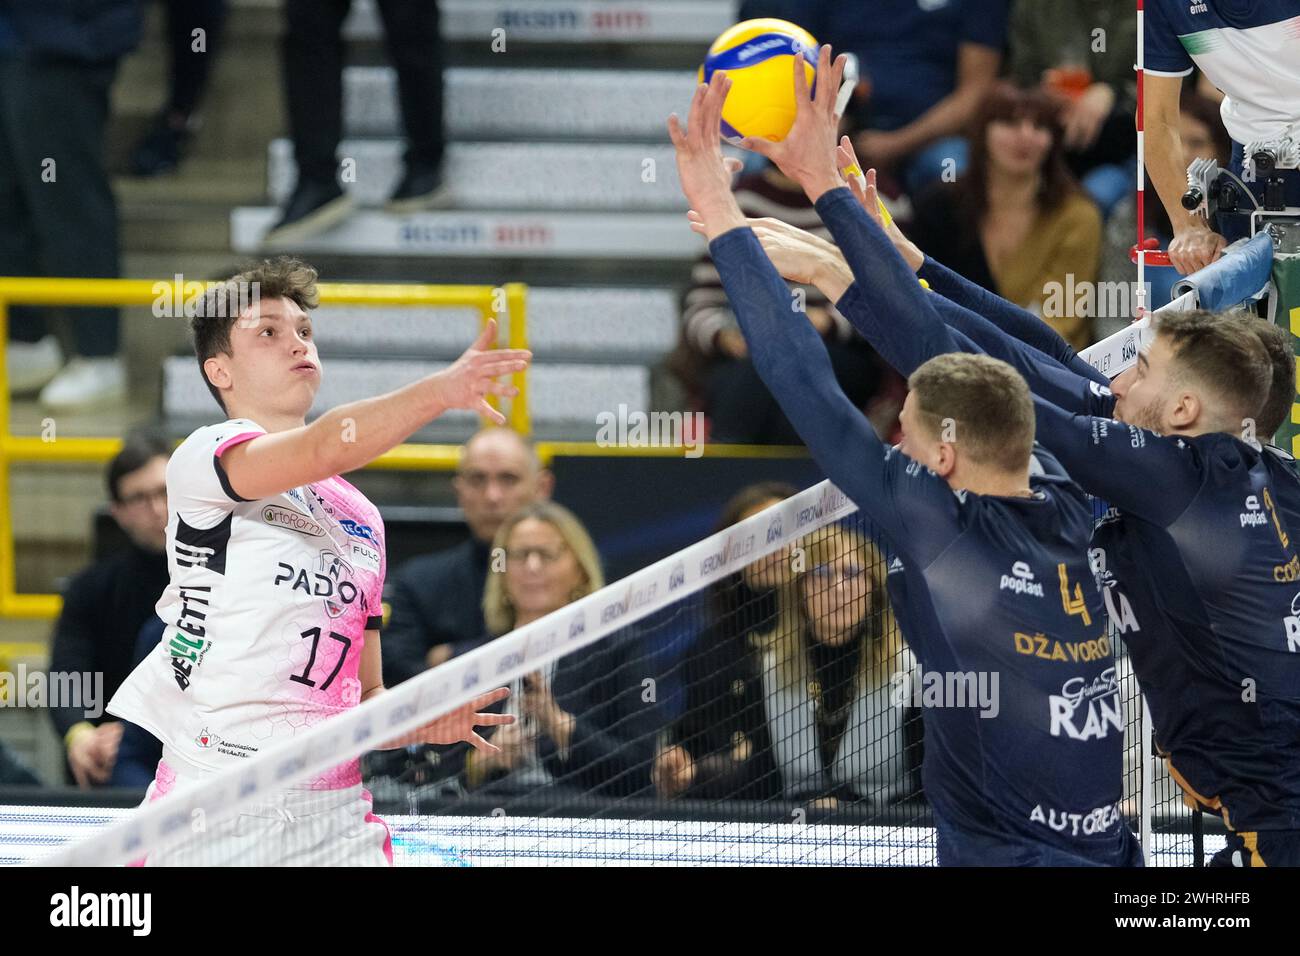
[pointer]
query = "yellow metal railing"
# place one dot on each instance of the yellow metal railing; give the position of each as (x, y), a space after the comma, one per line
(410, 457)
(508, 302)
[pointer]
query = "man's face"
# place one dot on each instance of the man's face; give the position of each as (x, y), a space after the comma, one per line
(273, 364)
(1143, 394)
(141, 508)
(497, 477)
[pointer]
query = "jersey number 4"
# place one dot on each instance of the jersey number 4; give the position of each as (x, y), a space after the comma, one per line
(314, 634)
(1074, 604)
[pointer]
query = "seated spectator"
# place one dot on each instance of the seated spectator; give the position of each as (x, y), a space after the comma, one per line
(712, 361)
(583, 726)
(435, 601)
(106, 604)
(1017, 223)
(924, 67)
(719, 749)
(1082, 54)
(834, 731)
(139, 751)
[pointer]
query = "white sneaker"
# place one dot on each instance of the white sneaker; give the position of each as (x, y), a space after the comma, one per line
(85, 382)
(31, 364)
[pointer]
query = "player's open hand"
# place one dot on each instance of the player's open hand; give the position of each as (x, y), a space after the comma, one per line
(705, 174)
(461, 723)
(473, 376)
(807, 154)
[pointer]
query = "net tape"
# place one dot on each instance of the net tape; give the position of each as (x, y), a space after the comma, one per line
(415, 702)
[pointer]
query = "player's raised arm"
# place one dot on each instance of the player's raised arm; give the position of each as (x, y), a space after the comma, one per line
(788, 353)
(350, 436)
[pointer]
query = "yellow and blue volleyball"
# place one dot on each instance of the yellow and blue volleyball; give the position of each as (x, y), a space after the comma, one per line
(756, 54)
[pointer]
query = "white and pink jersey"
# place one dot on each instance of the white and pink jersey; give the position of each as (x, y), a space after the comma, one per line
(266, 611)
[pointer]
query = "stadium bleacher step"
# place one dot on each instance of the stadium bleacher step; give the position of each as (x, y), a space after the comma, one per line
(605, 324)
(469, 233)
(569, 395)
(546, 21)
(570, 176)
(527, 104)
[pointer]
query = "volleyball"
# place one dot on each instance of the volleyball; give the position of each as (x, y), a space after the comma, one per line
(756, 54)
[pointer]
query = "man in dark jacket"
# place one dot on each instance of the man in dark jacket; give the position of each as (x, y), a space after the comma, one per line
(106, 604)
(436, 600)
(57, 62)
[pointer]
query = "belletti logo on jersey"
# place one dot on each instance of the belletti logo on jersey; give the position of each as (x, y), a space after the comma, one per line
(1021, 581)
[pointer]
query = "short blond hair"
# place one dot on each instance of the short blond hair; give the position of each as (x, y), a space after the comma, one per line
(498, 610)
(984, 400)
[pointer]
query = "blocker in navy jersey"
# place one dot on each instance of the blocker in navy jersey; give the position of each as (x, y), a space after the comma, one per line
(1203, 582)
(986, 586)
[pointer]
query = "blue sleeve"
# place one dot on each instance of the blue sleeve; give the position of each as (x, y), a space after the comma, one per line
(984, 22)
(1006, 316)
(908, 325)
(1163, 50)
(911, 505)
(1151, 476)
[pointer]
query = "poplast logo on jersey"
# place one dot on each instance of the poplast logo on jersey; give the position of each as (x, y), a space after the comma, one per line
(1021, 581)
(1254, 516)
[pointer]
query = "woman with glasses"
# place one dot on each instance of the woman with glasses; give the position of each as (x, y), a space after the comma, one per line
(583, 725)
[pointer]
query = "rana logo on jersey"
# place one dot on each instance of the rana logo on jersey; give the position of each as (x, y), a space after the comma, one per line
(1087, 709)
(1292, 624)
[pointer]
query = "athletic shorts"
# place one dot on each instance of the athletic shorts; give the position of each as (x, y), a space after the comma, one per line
(1260, 848)
(291, 828)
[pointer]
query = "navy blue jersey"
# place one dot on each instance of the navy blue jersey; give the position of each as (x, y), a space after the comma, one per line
(990, 589)
(1202, 579)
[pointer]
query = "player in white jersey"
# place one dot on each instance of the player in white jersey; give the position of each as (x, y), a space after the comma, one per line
(277, 568)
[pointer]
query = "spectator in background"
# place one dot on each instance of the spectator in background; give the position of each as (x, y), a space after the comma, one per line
(1082, 52)
(1017, 223)
(925, 65)
(313, 70)
(720, 748)
(57, 62)
(435, 601)
(711, 359)
(193, 38)
(106, 604)
(583, 725)
(833, 731)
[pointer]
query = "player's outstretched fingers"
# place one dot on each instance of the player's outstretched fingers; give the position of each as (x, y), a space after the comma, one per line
(487, 338)
(487, 411)
(481, 745)
(488, 698)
